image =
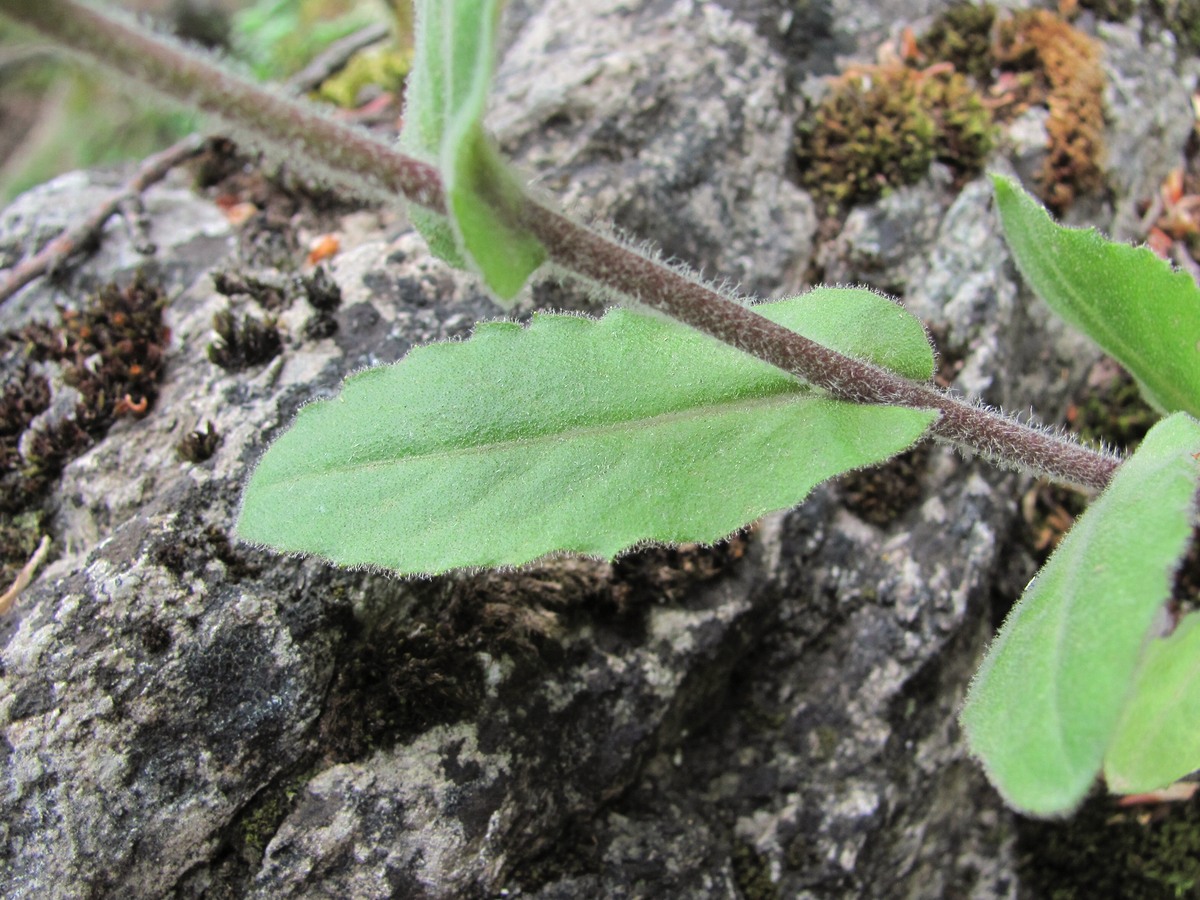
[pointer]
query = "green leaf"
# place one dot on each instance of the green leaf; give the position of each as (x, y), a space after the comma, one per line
(574, 434)
(455, 48)
(1158, 741)
(1047, 704)
(1142, 312)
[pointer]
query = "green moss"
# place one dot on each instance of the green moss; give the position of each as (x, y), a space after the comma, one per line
(828, 738)
(1112, 10)
(1182, 17)
(752, 873)
(870, 133)
(1103, 851)
(261, 819)
(881, 127)
(965, 131)
(962, 36)
(1114, 414)
(382, 68)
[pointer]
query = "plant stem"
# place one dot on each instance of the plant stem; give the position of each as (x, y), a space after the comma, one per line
(995, 435)
(368, 167)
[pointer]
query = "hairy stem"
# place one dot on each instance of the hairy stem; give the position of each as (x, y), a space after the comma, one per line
(368, 167)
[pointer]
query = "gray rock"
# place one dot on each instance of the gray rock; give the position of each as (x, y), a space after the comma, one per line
(1150, 116)
(673, 147)
(185, 715)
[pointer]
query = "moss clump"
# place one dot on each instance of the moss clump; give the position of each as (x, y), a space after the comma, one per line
(381, 69)
(962, 36)
(198, 446)
(112, 352)
(752, 873)
(881, 127)
(252, 342)
(965, 130)
(1137, 854)
(1068, 80)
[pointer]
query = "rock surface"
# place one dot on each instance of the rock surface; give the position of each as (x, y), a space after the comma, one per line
(187, 716)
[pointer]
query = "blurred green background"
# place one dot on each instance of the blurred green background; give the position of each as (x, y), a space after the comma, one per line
(56, 116)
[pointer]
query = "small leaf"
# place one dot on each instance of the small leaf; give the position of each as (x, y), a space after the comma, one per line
(1142, 312)
(445, 99)
(1158, 741)
(1046, 704)
(574, 435)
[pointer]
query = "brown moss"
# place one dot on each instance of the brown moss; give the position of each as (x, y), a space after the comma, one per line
(197, 446)
(252, 342)
(25, 397)
(1068, 79)
(271, 297)
(112, 351)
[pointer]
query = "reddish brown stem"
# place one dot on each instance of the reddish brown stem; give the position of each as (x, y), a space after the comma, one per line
(364, 165)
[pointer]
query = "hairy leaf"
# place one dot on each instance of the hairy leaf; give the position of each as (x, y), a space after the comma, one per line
(1134, 305)
(455, 48)
(1158, 741)
(574, 434)
(1047, 704)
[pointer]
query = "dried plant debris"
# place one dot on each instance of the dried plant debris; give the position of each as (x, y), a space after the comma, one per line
(242, 345)
(109, 355)
(197, 446)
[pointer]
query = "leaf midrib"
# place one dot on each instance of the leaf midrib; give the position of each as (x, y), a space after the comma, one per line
(801, 393)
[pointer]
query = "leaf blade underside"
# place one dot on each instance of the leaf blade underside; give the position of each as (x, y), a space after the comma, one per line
(572, 434)
(1140, 310)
